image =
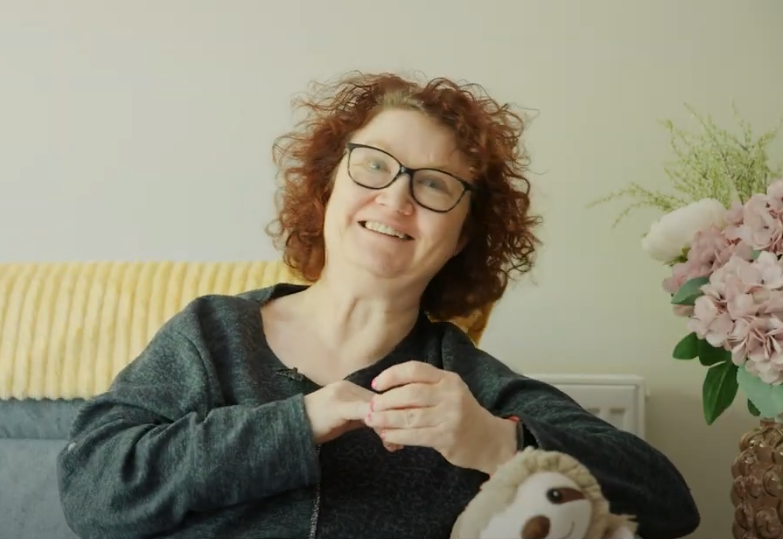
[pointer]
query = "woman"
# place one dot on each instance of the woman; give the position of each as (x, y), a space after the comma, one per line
(340, 409)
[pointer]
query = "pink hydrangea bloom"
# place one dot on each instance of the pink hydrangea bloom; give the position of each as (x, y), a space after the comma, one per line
(709, 251)
(775, 195)
(762, 226)
(742, 311)
(741, 308)
(734, 217)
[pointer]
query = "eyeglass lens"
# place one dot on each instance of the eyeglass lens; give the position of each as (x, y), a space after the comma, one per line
(376, 169)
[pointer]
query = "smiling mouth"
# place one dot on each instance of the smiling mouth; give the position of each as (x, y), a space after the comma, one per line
(570, 531)
(385, 230)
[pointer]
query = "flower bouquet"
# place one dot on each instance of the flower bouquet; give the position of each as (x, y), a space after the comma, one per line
(722, 237)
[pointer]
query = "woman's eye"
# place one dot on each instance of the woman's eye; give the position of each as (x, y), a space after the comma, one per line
(433, 183)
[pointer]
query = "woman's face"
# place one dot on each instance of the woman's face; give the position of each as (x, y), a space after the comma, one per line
(385, 231)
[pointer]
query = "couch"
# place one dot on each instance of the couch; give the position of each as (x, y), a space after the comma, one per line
(66, 329)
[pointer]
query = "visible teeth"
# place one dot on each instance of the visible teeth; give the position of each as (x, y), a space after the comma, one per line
(384, 229)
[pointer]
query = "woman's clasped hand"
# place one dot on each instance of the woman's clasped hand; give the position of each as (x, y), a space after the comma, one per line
(415, 404)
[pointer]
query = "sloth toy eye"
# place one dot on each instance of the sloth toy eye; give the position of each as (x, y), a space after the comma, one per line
(554, 495)
(559, 496)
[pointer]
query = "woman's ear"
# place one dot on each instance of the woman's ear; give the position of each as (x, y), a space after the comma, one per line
(464, 236)
(463, 241)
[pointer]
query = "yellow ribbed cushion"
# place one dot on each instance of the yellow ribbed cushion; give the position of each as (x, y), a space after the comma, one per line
(67, 329)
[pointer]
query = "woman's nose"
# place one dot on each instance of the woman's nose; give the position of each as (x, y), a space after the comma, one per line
(397, 196)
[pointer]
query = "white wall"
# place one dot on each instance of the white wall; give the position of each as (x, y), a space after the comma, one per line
(142, 130)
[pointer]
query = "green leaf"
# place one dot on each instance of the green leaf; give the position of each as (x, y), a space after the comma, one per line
(719, 390)
(683, 258)
(710, 355)
(752, 409)
(755, 254)
(687, 348)
(767, 399)
(689, 291)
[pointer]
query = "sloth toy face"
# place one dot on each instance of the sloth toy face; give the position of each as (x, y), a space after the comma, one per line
(541, 494)
(548, 505)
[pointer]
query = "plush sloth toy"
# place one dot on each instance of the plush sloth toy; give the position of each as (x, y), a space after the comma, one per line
(541, 495)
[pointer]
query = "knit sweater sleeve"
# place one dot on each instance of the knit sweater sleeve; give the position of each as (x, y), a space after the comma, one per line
(636, 478)
(156, 446)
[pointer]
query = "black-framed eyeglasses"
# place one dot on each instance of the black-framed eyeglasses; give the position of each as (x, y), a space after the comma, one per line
(436, 190)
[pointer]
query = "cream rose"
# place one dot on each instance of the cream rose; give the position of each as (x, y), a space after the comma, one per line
(674, 231)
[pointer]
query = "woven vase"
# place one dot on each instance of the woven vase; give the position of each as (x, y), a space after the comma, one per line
(757, 490)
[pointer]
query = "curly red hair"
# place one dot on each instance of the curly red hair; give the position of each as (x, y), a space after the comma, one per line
(499, 227)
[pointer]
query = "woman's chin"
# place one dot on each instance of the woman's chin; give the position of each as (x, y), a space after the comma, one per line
(383, 267)
(382, 258)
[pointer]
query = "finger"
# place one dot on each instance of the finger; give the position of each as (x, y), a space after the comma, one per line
(423, 437)
(387, 446)
(409, 418)
(355, 410)
(350, 391)
(407, 373)
(362, 394)
(415, 395)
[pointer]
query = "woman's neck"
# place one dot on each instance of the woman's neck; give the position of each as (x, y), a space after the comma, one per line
(359, 323)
